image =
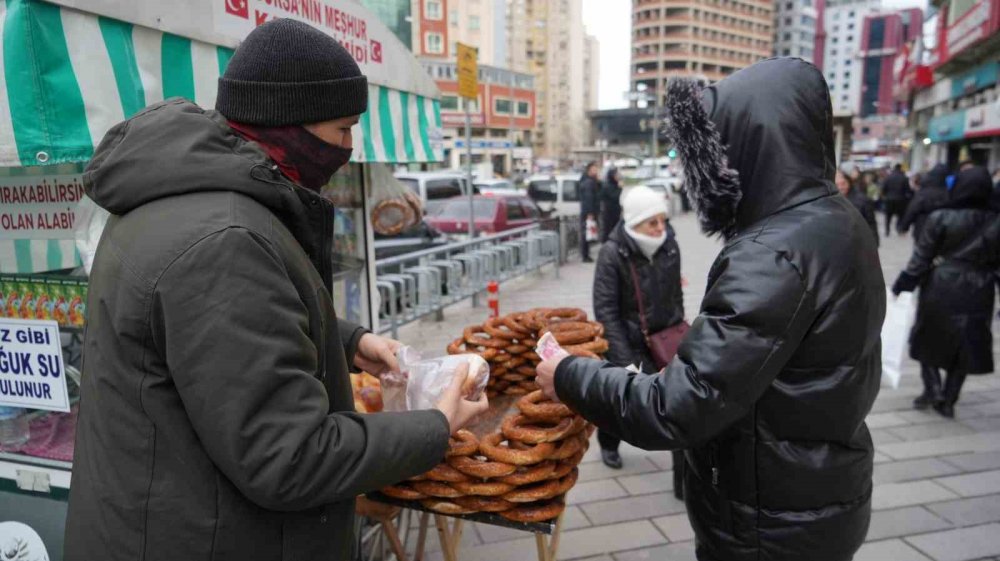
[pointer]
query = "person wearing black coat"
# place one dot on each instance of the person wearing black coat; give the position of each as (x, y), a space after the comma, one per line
(932, 195)
(770, 388)
(895, 192)
(611, 206)
(860, 201)
(954, 264)
(589, 206)
(646, 243)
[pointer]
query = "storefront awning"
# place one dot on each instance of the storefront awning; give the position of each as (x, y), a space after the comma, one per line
(67, 76)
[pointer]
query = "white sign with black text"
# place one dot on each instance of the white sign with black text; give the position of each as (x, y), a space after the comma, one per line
(32, 374)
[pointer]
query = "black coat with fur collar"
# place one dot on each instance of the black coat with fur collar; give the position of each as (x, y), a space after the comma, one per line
(770, 388)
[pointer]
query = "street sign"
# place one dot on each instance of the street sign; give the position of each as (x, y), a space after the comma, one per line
(468, 70)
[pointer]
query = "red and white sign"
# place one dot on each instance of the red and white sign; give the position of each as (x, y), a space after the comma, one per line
(458, 119)
(983, 120)
(39, 207)
(351, 26)
(977, 23)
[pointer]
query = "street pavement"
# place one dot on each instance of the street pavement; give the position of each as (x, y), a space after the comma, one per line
(937, 481)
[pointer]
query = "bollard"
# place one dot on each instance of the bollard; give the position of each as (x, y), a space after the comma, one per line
(493, 299)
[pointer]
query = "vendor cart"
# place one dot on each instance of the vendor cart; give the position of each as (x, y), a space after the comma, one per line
(69, 71)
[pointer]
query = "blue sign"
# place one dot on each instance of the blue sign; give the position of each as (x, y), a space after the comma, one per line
(976, 79)
(947, 127)
(496, 144)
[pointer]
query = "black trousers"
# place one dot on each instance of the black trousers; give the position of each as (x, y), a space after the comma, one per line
(950, 391)
(893, 208)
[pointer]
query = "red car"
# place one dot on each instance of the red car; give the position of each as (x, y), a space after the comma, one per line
(493, 213)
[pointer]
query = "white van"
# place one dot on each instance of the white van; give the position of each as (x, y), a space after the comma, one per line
(433, 187)
(556, 193)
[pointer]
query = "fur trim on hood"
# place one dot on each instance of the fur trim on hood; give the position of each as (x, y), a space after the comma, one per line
(712, 186)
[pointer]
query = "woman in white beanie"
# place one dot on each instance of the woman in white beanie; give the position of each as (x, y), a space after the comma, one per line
(641, 256)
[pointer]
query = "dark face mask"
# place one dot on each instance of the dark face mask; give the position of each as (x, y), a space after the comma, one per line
(301, 155)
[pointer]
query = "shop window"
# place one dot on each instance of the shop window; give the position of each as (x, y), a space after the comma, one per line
(434, 43)
(432, 9)
(449, 103)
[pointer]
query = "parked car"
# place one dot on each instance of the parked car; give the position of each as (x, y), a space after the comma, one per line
(492, 214)
(434, 186)
(498, 186)
(416, 238)
(558, 193)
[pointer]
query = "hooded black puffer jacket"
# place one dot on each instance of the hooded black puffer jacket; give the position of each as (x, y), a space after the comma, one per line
(615, 305)
(953, 263)
(771, 386)
(932, 195)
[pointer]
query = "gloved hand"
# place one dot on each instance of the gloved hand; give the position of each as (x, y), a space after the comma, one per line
(904, 283)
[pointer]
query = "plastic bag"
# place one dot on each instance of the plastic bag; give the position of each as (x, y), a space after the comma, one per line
(421, 383)
(394, 207)
(899, 316)
(90, 222)
(591, 230)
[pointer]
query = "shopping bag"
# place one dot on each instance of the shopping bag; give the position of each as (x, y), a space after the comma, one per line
(899, 315)
(591, 230)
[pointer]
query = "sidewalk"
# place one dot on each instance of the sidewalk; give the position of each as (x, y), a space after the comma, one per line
(937, 481)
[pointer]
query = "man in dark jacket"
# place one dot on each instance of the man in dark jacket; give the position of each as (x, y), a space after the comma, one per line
(217, 420)
(895, 193)
(932, 195)
(589, 206)
(611, 206)
(771, 386)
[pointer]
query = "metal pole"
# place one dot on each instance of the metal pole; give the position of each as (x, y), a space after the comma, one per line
(510, 129)
(656, 133)
(468, 163)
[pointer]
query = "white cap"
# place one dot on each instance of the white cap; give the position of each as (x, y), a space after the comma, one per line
(640, 203)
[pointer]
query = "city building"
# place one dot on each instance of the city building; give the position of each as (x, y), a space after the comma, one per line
(957, 117)
(482, 24)
(591, 72)
(430, 38)
(501, 121)
(547, 40)
(795, 29)
(838, 43)
(884, 37)
(395, 14)
(713, 38)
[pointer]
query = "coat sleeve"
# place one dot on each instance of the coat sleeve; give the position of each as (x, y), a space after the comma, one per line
(234, 334)
(922, 259)
(607, 307)
(753, 318)
(350, 336)
(679, 289)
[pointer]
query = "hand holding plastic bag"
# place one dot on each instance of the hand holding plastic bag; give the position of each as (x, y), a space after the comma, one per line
(422, 383)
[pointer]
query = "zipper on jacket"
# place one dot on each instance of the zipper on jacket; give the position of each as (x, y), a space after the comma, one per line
(725, 509)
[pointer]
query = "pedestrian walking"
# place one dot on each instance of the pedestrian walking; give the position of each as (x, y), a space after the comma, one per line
(860, 201)
(954, 264)
(995, 202)
(930, 196)
(611, 206)
(895, 193)
(217, 417)
(770, 388)
(589, 206)
(637, 290)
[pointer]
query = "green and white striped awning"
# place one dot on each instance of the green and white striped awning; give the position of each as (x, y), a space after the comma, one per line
(66, 77)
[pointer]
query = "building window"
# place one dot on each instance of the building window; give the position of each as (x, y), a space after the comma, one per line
(523, 109)
(787, 37)
(453, 18)
(434, 43)
(788, 21)
(786, 52)
(836, 28)
(501, 106)
(449, 103)
(847, 75)
(850, 38)
(808, 20)
(432, 9)
(474, 23)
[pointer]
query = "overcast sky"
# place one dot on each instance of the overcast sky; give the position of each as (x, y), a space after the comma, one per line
(611, 22)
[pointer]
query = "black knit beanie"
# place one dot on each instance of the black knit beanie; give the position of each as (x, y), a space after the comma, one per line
(288, 73)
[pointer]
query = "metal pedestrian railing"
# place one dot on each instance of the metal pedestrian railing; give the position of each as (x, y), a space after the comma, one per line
(415, 285)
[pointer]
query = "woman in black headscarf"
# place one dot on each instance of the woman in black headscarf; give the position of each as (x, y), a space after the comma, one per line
(932, 195)
(953, 263)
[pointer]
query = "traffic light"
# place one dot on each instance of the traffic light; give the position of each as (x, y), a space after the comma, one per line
(672, 154)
